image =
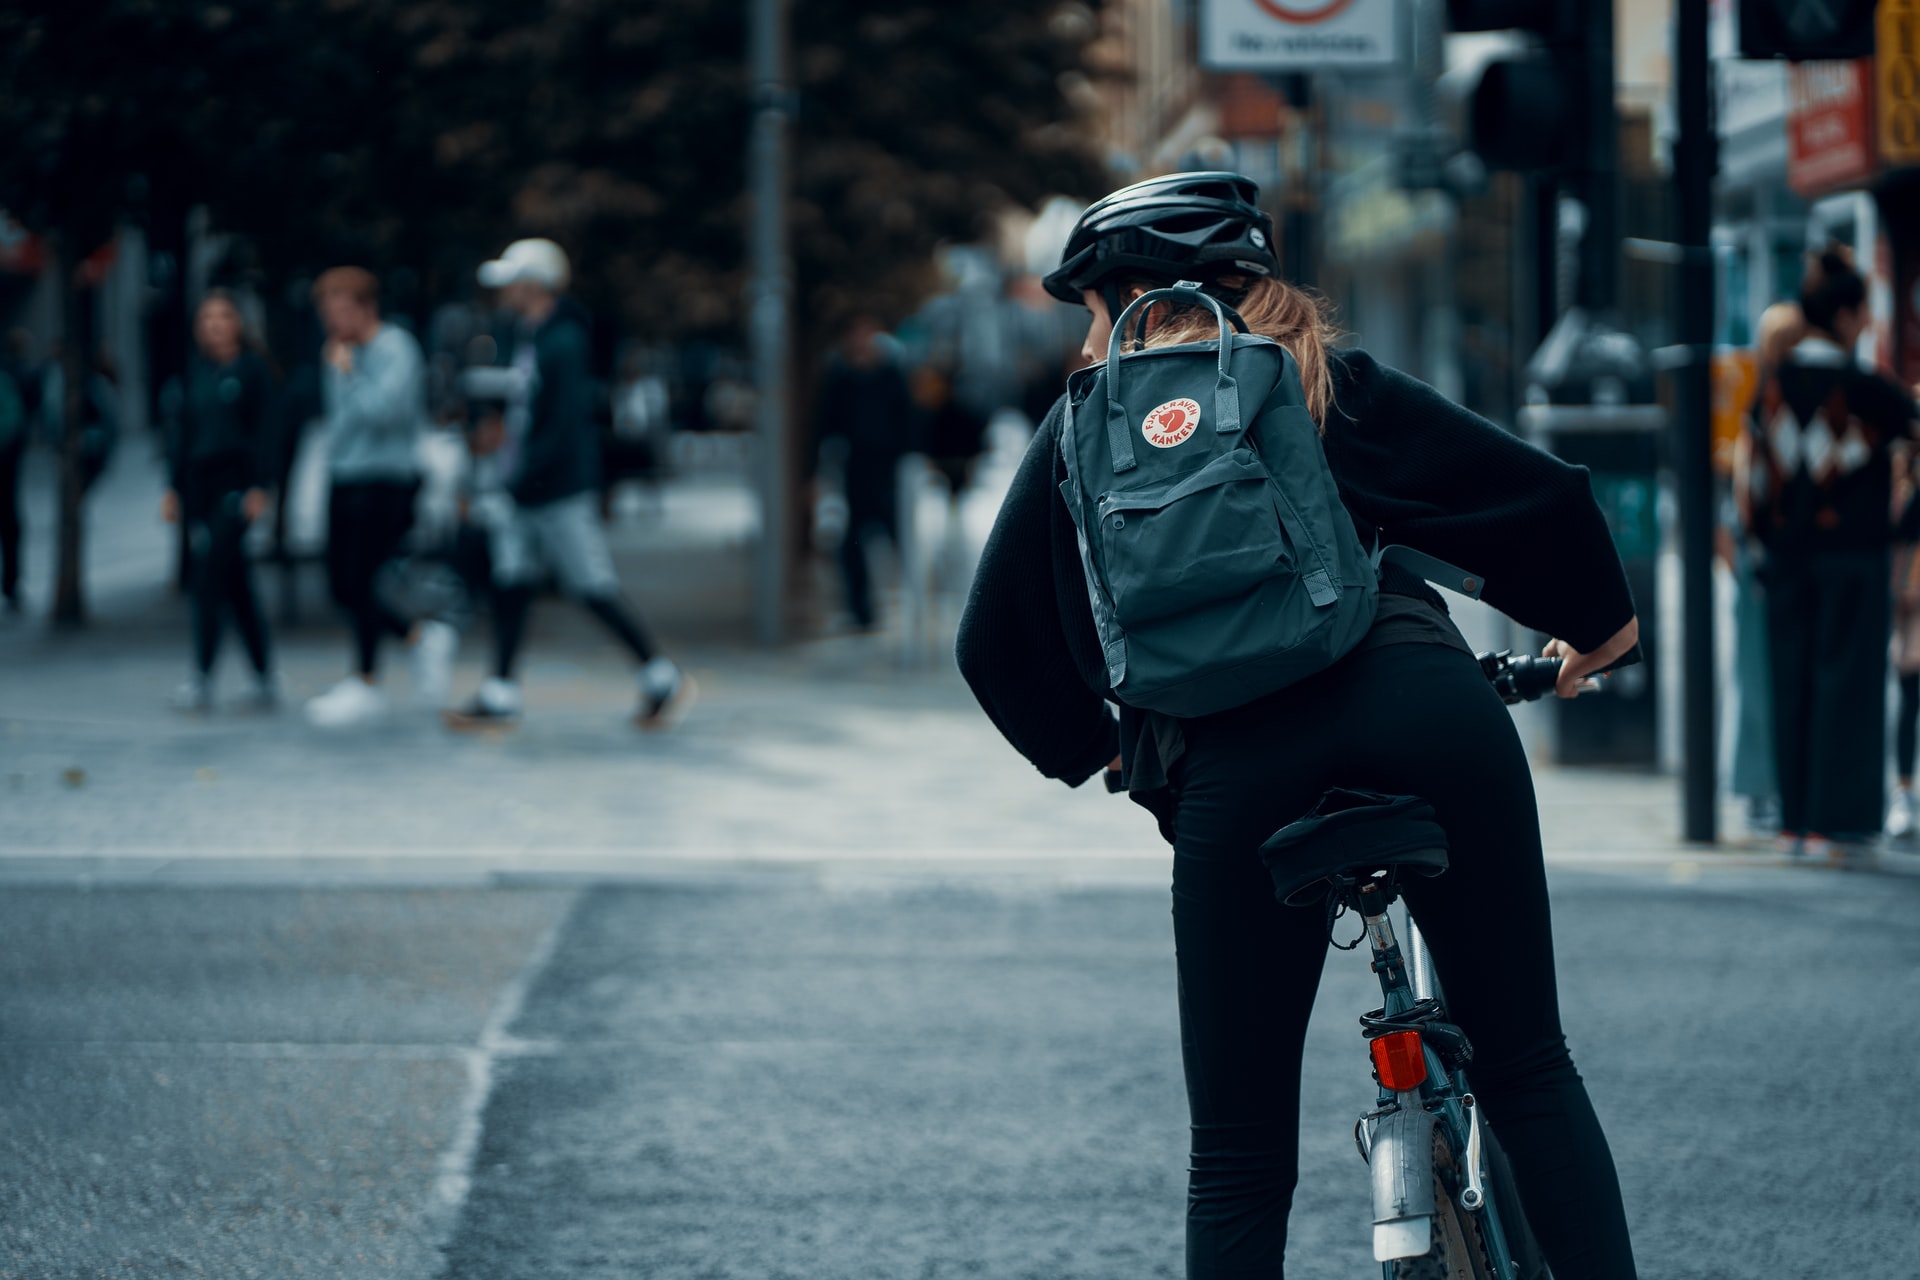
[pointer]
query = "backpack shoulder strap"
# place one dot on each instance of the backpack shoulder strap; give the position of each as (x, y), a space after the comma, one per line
(1226, 392)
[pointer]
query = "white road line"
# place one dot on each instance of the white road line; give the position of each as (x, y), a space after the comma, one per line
(455, 1178)
(278, 1050)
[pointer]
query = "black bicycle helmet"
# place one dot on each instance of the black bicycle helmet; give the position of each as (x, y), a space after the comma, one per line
(1167, 226)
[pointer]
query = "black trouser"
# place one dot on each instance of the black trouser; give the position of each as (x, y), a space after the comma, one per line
(366, 523)
(1411, 719)
(871, 514)
(511, 605)
(1828, 618)
(10, 517)
(222, 582)
(1906, 722)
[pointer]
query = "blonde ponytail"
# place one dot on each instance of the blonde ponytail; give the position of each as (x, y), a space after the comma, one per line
(1299, 321)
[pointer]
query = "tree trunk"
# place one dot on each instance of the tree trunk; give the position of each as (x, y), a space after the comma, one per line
(69, 601)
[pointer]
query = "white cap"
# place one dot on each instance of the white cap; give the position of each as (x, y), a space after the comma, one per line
(539, 261)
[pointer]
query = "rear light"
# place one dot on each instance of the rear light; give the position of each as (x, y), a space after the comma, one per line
(1399, 1060)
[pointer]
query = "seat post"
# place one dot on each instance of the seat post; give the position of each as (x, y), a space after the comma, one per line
(1371, 899)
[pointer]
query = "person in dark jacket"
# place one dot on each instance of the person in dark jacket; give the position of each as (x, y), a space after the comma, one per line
(1818, 494)
(544, 514)
(223, 461)
(1407, 712)
(863, 400)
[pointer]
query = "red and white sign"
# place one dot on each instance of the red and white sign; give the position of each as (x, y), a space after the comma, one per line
(1171, 424)
(1298, 35)
(1830, 126)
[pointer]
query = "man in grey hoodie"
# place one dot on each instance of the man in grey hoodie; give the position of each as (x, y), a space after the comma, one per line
(373, 390)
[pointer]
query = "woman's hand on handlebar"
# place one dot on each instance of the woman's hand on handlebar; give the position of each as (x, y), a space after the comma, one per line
(1576, 665)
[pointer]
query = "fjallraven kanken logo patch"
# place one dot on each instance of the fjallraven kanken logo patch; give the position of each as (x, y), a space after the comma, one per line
(1171, 424)
(1219, 563)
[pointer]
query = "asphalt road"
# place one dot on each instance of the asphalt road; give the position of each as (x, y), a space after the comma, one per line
(776, 1076)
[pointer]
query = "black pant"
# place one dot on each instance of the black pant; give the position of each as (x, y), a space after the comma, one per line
(1412, 719)
(222, 582)
(10, 518)
(871, 515)
(1828, 618)
(366, 523)
(1906, 723)
(511, 605)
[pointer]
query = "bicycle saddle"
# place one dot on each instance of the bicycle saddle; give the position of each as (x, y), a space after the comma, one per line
(1352, 834)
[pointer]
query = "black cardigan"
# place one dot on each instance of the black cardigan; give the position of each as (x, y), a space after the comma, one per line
(1411, 465)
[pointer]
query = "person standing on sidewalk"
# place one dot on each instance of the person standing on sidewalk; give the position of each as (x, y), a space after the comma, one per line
(544, 515)
(1820, 499)
(1751, 772)
(373, 393)
(864, 400)
(223, 462)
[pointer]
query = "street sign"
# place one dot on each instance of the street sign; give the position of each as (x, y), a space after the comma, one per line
(1898, 57)
(1830, 126)
(1298, 35)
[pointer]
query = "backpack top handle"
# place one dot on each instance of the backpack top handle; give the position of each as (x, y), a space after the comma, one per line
(1226, 392)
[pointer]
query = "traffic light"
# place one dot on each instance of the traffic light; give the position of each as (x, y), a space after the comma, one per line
(1806, 30)
(1529, 111)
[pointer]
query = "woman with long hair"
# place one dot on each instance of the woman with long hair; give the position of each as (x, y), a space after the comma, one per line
(1819, 498)
(1406, 712)
(223, 464)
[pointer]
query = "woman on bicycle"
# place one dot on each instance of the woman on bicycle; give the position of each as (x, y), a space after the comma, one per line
(1407, 712)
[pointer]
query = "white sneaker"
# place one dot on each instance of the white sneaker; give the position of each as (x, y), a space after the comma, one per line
(433, 664)
(194, 696)
(665, 694)
(1901, 815)
(351, 702)
(495, 706)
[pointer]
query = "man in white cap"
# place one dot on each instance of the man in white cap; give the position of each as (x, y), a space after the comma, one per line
(545, 515)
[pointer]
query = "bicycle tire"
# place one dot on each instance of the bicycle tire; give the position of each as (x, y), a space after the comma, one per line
(1459, 1250)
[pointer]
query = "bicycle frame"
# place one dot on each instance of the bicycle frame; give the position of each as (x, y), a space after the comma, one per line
(1397, 1137)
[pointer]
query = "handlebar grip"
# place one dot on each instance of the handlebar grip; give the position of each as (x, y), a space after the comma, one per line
(1535, 678)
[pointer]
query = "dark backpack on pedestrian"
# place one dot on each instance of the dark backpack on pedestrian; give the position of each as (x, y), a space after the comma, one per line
(1219, 559)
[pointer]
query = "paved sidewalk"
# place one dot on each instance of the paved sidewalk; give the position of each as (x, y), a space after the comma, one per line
(834, 755)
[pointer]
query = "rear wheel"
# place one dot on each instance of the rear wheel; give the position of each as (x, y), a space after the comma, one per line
(1459, 1250)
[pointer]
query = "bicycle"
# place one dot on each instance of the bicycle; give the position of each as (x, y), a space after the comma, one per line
(1444, 1202)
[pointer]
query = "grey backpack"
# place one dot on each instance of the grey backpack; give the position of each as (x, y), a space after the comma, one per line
(1219, 559)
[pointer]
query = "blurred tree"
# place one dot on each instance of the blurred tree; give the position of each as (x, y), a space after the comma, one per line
(620, 130)
(420, 135)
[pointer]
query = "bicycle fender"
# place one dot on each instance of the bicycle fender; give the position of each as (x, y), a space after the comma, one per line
(1401, 1161)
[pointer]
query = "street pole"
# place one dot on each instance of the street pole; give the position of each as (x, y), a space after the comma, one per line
(1598, 181)
(1694, 163)
(769, 302)
(1296, 222)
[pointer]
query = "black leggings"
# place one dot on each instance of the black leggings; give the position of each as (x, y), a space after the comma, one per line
(366, 523)
(1414, 719)
(223, 582)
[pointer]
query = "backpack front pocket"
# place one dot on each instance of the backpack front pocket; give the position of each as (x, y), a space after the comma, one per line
(1210, 535)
